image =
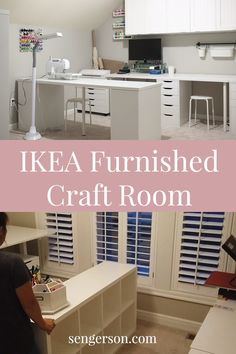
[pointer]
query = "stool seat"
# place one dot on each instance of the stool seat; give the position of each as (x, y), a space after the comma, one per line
(207, 99)
(201, 98)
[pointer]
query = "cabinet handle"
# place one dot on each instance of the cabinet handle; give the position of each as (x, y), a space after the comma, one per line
(90, 88)
(168, 115)
(168, 105)
(167, 81)
(168, 95)
(168, 88)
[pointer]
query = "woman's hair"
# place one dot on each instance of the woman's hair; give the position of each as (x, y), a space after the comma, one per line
(3, 220)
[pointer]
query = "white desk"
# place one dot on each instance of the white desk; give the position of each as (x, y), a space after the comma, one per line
(135, 106)
(217, 333)
(224, 79)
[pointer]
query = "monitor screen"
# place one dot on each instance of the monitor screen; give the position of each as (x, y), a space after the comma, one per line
(145, 49)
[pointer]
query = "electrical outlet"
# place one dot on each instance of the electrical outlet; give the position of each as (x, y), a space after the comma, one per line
(12, 102)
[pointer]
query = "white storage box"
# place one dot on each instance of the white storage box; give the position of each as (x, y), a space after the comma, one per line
(51, 297)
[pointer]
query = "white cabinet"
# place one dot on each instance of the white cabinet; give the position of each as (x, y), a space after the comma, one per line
(102, 302)
(4, 74)
(203, 15)
(226, 14)
(155, 16)
(177, 16)
(135, 17)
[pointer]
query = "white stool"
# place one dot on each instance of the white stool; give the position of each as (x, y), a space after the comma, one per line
(76, 100)
(207, 99)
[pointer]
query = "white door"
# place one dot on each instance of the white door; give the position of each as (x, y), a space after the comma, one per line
(135, 17)
(226, 14)
(178, 16)
(203, 15)
(4, 74)
(155, 16)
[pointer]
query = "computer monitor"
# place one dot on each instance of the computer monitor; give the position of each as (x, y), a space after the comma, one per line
(146, 49)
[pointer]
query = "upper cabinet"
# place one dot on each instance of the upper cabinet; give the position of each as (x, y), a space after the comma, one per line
(226, 14)
(203, 15)
(177, 16)
(172, 16)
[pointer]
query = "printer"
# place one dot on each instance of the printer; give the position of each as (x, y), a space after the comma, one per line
(95, 73)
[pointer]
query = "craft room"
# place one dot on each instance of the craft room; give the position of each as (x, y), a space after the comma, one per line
(168, 277)
(112, 69)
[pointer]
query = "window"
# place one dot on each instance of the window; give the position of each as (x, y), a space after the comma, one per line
(126, 238)
(198, 253)
(59, 252)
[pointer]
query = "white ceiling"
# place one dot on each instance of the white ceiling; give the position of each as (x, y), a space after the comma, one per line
(81, 14)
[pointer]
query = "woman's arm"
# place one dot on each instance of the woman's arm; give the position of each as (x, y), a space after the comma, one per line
(31, 307)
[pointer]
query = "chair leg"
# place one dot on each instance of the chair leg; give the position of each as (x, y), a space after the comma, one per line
(74, 112)
(195, 113)
(207, 107)
(190, 112)
(213, 112)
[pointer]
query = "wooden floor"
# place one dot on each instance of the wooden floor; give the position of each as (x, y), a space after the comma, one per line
(169, 340)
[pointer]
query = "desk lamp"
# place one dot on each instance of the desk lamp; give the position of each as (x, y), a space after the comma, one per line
(32, 133)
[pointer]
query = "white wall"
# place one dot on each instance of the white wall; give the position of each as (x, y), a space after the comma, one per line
(75, 45)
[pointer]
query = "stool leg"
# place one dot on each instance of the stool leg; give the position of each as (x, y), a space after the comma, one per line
(66, 115)
(74, 112)
(195, 113)
(190, 112)
(90, 112)
(213, 112)
(207, 107)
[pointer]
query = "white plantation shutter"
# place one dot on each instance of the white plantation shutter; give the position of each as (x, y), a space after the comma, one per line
(139, 235)
(60, 244)
(200, 246)
(107, 241)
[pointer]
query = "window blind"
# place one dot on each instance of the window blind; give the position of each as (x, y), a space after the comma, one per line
(139, 233)
(201, 240)
(60, 244)
(107, 230)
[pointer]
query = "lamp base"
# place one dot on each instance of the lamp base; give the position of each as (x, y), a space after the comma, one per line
(32, 134)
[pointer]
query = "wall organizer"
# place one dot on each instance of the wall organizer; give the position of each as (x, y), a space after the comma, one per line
(27, 38)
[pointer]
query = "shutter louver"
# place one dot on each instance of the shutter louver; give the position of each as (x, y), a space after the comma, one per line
(201, 240)
(107, 230)
(60, 244)
(139, 231)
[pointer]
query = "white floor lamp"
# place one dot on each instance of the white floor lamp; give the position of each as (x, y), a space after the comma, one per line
(32, 133)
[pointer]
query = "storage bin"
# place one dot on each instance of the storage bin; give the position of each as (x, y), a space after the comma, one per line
(51, 297)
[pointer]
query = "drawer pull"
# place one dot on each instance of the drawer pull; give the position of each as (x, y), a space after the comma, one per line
(168, 105)
(167, 81)
(168, 88)
(168, 95)
(168, 115)
(90, 88)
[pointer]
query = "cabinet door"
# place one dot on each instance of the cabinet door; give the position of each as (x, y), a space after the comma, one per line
(226, 14)
(203, 15)
(155, 16)
(178, 16)
(135, 17)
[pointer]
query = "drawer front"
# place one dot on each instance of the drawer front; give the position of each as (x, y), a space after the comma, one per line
(169, 121)
(232, 91)
(168, 98)
(168, 109)
(166, 90)
(170, 83)
(232, 116)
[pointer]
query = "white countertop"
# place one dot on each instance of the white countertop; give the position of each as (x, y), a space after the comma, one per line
(17, 235)
(177, 76)
(103, 83)
(86, 285)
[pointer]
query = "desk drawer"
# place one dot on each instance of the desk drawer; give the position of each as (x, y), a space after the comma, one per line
(170, 83)
(168, 98)
(232, 91)
(168, 109)
(169, 121)
(167, 90)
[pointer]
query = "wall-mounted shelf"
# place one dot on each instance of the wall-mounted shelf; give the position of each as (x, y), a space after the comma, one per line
(119, 25)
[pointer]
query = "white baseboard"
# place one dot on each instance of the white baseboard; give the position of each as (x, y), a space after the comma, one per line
(169, 321)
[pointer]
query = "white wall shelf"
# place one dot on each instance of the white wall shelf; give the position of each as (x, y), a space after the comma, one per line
(95, 308)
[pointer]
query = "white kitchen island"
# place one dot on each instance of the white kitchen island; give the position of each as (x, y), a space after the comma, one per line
(102, 302)
(135, 106)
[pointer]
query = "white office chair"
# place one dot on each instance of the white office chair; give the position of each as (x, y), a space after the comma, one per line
(207, 99)
(76, 100)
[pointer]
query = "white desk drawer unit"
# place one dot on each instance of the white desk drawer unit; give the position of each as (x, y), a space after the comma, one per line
(232, 106)
(170, 114)
(100, 100)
